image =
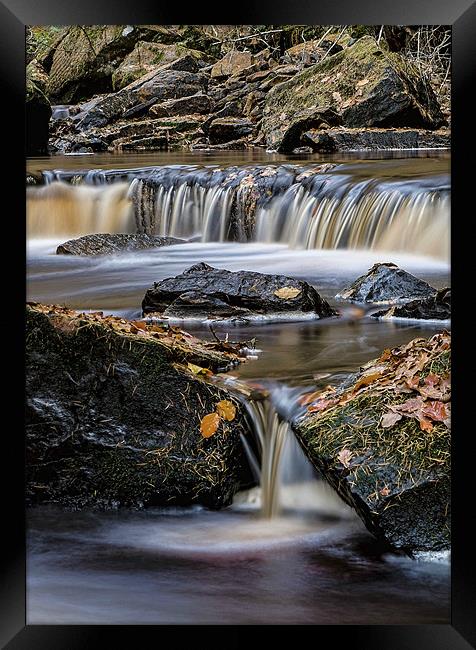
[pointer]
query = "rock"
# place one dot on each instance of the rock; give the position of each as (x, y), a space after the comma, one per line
(310, 52)
(198, 103)
(329, 140)
(38, 110)
(386, 282)
(147, 57)
(231, 109)
(436, 307)
(259, 293)
(86, 57)
(382, 441)
(233, 145)
(224, 129)
(361, 86)
(114, 413)
(231, 64)
(171, 81)
(196, 305)
(104, 244)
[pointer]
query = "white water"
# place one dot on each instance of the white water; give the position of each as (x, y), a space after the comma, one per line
(310, 210)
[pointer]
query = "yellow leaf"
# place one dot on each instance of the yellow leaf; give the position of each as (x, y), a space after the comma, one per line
(226, 410)
(287, 292)
(209, 424)
(198, 370)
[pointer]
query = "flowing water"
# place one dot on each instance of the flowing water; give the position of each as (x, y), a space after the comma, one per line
(289, 551)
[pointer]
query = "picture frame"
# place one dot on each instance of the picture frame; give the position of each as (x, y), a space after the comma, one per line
(14, 16)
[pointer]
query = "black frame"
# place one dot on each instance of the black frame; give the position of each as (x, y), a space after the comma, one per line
(14, 16)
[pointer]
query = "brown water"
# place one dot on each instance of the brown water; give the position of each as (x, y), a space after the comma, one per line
(313, 562)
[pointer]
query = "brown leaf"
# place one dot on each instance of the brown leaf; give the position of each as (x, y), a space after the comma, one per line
(366, 380)
(389, 419)
(138, 324)
(209, 424)
(385, 491)
(425, 425)
(362, 82)
(285, 293)
(344, 456)
(198, 370)
(226, 410)
(436, 411)
(321, 405)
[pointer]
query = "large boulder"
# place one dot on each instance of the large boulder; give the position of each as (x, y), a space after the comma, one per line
(386, 282)
(170, 81)
(231, 64)
(361, 86)
(436, 307)
(105, 244)
(86, 57)
(38, 110)
(115, 414)
(257, 293)
(226, 129)
(146, 57)
(382, 441)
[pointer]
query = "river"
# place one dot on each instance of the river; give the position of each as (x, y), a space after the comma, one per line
(313, 562)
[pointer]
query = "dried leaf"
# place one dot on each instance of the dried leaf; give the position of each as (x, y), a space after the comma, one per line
(337, 96)
(436, 411)
(285, 293)
(198, 370)
(321, 405)
(385, 491)
(226, 410)
(366, 380)
(362, 82)
(344, 456)
(389, 419)
(209, 424)
(425, 425)
(138, 324)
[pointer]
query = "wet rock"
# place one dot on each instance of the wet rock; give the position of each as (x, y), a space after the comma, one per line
(224, 129)
(259, 293)
(231, 64)
(146, 57)
(386, 282)
(171, 81)
(38, 110)
(361, 86)
(196, 305)
(114, 412)
(382, 441)
(199, 103)
(230, 109)
(329, 140)
(105, 244)
(436, 307)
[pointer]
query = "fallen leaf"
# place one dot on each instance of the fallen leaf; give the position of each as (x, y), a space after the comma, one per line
(389, 419)
(385, 492)
(226, 410)
(139, 324)
(366, 380)
(436, 410)
(425, 425)
(209, 424)
(362, 82)
(344, 456)
(321, 405)
(198, 370)
(287, 292)
(337, 96)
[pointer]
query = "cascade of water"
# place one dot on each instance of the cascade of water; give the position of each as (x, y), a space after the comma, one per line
(311, 209)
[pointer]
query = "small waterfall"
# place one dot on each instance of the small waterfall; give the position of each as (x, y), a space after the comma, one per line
(63, 210)
(304, 207)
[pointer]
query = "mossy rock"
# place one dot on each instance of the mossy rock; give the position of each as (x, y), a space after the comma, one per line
(396, 477)
(146, 57)
(360, 86)
(114, 411)
(38, 109)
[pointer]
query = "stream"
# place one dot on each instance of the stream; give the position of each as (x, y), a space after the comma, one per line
(310, 560)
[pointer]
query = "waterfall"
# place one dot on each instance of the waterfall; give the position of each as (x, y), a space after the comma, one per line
(313, 207)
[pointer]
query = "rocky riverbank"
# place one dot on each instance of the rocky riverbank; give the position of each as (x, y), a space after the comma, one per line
(141, 88)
